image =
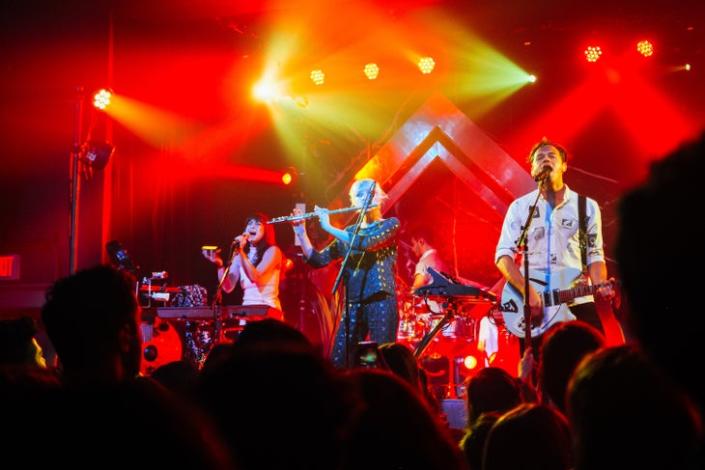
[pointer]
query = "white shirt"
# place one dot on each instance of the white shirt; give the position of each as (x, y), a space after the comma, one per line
(488, 338)
(553, 236)
(430, 259)
(265, 294)
(554, 233)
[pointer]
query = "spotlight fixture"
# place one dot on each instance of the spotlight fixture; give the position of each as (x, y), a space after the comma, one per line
(531, 78)
(318, 77)
(426, 65)
(371, 71)
(101, 99)
(645, 48)
(97, 153)
(593, 53)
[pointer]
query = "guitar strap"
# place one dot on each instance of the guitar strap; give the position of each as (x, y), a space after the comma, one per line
(582, 234)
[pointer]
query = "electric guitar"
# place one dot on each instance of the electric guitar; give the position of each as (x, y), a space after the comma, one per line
(562, 290)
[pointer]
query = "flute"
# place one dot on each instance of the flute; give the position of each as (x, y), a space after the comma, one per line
(308, 215)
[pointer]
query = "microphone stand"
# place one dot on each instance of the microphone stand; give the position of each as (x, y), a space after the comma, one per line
(336, 284)
(75, 179)
(218, 297)
(522, 245)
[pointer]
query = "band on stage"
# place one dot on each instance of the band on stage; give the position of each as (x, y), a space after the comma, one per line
(372, 304)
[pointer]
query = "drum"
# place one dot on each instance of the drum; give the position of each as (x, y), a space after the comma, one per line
(459, 328)
(411, 328)
(162, 345)
(447, 331)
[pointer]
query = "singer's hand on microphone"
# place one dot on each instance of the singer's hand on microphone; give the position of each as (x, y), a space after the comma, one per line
(240, 241)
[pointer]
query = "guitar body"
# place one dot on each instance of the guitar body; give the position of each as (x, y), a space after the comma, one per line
(561, 282)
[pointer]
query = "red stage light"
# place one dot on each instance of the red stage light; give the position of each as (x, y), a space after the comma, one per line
(592, 53)
(290, 175)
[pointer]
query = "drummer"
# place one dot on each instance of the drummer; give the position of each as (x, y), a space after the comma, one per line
(428, 257)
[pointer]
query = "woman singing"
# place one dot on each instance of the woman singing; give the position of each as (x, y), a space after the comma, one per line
(256, 264)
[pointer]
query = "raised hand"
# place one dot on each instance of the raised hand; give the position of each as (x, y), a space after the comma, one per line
(323, 215)
(213, 256)
(299, 226)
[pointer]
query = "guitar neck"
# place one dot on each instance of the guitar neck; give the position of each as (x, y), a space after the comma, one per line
(567, 295)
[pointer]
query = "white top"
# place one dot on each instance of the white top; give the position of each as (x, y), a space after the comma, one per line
(267, 293)
(553, 236)
(488, 338)
(554, 233)
(430, 259)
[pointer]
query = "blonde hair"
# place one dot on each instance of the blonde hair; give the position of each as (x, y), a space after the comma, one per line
(379, 196)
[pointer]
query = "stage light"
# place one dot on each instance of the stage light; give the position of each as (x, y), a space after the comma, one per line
(265, 90)
(531, 78)
(371, 71)
(97, 153)
(318, 77)
(290, 175)
(426, 65)
(101, 99)
(687, 67)
(645, 48)
(593, 53)
(470, 362)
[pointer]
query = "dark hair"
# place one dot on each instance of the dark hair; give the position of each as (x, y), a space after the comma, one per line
(491, 389)
(85, 312)
(267, 240)
(543, 142)
(562, 349)
(422, 233)
(529, 436)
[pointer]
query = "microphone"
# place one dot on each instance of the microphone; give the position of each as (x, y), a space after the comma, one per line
(236, 242)
(543, 174)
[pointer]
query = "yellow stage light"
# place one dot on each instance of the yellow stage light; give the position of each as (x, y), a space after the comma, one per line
(645, 48)
(318, 77)
(593, 53)
(426, 65)
(371, 71)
